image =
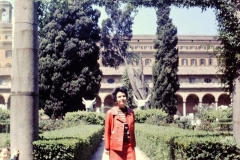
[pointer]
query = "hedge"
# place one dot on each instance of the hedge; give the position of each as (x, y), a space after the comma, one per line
(74, 143)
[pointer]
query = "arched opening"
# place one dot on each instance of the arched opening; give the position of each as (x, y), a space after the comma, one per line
(3, 15)
(108, 103)
(208, 99)
(224, 99)
(191, 101)
(98, 102)
(2, 102)
(180, 104)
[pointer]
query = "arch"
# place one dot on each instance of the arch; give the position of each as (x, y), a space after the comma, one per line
(192, 100)
(180, 104)
(2, 102)
(3, 14)
(224, 99)
(108, 103)
(98, 102)
(208, 99)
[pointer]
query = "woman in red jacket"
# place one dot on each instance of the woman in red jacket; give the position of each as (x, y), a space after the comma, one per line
(119, 137)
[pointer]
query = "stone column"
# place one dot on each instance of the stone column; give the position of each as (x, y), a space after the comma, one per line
(216, 105)
(24, 90)
(102, 106)
(236, 110)
(184, 109)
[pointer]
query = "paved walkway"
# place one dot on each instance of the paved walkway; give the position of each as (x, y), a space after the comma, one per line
(100, 155)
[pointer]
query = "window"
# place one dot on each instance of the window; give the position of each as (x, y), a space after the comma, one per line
(210, 47)
(1, 81)
(193, 47)
(201, 47)
(210, 61)
(137, 47)
(110, 80)
(202, 62)
(8, 37)
(146, 47)
(8, 54)
(4, 15)
(151, 47)
(207, 80)
(183, 47)
(191, 80)
(148, 62)
(193, 62)
(184, 62)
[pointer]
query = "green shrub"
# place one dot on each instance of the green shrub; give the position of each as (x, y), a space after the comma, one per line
(4, 115)
(158, 142)
(151, 115)
(96, 118)
(73, 143)
(220, 114)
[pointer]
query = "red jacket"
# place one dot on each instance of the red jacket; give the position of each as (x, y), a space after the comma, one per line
(114, 128)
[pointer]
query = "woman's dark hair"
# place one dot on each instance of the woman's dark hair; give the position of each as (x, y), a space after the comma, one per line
(118, 89)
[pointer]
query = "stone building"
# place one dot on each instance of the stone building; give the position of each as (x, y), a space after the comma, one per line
(5, 53)
(198, 77)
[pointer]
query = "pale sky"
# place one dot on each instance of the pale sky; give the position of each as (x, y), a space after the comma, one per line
(190, 21)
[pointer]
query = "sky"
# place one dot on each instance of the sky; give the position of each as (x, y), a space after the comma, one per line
(190, 21)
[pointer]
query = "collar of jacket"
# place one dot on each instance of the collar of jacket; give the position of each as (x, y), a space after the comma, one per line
(116, 113)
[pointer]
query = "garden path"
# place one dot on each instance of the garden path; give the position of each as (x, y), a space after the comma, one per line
(100, 155)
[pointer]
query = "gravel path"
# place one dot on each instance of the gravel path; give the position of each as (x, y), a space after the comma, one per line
(100, 155)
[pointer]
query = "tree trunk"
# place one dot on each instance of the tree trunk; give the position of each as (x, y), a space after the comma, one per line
(236, 110)
(24, 89)
(136, 77)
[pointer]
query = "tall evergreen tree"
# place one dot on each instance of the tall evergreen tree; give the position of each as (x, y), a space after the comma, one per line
(68, 57)
(165, 79)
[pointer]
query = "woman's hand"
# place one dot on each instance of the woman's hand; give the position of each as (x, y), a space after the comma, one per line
(106, 151)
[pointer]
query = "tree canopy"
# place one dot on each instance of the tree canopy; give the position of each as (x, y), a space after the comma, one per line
(68, 57)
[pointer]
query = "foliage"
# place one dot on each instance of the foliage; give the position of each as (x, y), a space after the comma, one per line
(220, 114)
(159, 142)
(203, 108)
(95, 118)
(68, 55)
(142, 116)
(73, 143)
(4, 115)
(116, 31)
(165, 79)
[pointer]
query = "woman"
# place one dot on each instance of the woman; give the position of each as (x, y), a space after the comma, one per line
(119, 128)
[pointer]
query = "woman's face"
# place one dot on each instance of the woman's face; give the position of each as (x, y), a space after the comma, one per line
(121, 99)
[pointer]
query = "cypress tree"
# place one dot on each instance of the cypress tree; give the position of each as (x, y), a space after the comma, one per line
(165, 79)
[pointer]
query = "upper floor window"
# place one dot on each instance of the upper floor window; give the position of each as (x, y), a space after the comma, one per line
(184, 62)
(148, 62)
(4, 15)
(183, 47)
(146, 47)
(8, 54)
(202, 47)
(110, 80)
(210, 47)
(192, 80)
(8, 37)
(202, 62)
(207, 80)
(193, 62)
(1, 81)
(137, 47)
(210, 62)
(193, 47)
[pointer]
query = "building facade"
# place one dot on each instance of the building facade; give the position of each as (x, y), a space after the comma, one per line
(5, 53)
(198, 66)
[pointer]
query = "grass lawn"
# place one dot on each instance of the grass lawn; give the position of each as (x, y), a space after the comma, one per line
(3, 138)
